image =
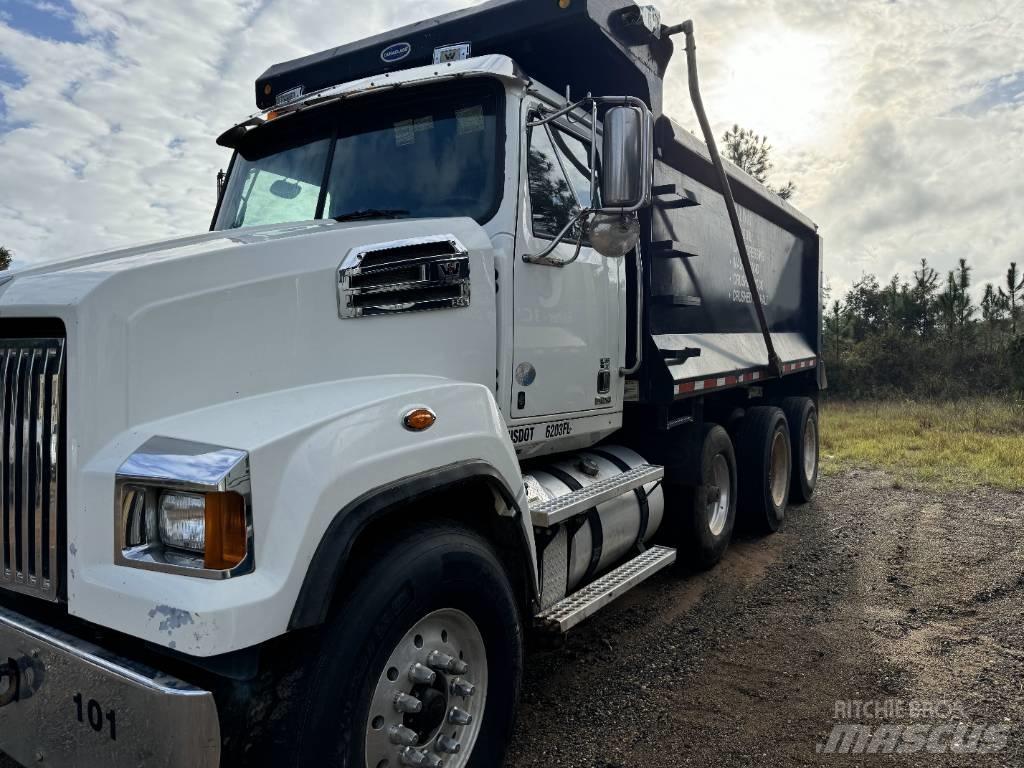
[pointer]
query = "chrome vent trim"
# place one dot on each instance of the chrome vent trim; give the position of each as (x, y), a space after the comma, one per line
(31, 371)
(404, 276)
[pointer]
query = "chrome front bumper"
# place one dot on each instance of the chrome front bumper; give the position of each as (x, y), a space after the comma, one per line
(64, 702)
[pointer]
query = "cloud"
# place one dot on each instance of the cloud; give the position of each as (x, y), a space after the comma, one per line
(900, 123)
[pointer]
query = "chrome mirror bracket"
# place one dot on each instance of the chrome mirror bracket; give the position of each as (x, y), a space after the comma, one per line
(583, 217)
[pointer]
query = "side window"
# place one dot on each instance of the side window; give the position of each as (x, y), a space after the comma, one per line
(559, 178)
(551, 198)
(575, 155)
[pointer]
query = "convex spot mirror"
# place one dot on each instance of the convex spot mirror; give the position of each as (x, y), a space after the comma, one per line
(623, 177)
(614, 235)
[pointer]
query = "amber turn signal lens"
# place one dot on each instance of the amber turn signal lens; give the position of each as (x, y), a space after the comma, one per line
(226, 535)
(419, 419)
(563, 4)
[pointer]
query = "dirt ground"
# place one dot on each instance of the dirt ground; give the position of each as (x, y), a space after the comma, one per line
(873, 593)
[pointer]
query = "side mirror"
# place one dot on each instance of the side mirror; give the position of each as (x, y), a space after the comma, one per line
(625, 179)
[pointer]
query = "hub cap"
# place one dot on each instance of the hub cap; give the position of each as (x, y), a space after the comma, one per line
(810, 447)
(718, 501)
(429, 701)
(778, 471)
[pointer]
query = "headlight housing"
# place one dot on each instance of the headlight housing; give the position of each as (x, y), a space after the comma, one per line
(185, 507)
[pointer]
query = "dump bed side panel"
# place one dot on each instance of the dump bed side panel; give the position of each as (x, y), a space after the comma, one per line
(700, 315)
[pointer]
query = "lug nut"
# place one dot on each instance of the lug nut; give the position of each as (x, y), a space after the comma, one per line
(404, 736)
(413, 757)
(462, 688)
(448, 746)
(446, 663)
(407, 704)
(421, 675)
(458, 716)
(410, 756)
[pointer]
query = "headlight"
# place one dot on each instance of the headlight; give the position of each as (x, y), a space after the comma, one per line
(185, 507)
(182, 518)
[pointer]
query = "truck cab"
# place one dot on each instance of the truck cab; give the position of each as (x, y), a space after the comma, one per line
(477, 342)
(455, 142)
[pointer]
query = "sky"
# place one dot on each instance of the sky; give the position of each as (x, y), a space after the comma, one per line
(900, 121)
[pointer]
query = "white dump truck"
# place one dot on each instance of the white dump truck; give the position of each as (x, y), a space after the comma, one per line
(478, 341)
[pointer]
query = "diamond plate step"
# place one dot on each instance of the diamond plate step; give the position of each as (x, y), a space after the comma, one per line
(567, 613)
(561, 508)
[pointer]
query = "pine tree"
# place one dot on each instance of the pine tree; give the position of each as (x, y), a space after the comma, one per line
(752, 153)
(6, 254)
(922, 294)
(836, 322)
(1015, 301)
(992, 310)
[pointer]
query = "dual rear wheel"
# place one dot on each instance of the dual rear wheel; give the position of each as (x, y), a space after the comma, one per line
(745, 479)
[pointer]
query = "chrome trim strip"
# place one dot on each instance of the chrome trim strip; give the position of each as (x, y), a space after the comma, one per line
(167, 463)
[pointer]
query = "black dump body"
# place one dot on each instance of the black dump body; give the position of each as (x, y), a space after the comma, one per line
(700, 329)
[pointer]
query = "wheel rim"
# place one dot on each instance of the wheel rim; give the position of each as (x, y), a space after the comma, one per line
(428, 705)
(778, 472)
(810, 447)
(718, 504)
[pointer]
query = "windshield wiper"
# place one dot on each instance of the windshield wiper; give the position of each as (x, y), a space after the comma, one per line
(372, 213)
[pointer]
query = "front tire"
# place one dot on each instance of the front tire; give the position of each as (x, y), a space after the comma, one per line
(431, 627)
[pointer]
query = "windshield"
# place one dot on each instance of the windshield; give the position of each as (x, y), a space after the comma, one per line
(432, 151)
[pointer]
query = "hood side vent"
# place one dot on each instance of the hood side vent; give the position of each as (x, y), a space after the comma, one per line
(404, 276)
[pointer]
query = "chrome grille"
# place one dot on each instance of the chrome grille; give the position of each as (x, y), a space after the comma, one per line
(30, 477)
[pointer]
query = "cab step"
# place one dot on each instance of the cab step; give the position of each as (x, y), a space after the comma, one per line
(561, 508)
(567, 613)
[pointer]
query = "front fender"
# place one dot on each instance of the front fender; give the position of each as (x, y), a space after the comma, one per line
(314, 451)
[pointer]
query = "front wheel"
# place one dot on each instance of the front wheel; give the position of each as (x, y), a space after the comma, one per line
(421, 666)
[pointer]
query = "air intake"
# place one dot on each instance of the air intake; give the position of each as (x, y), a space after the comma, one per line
(404, 276)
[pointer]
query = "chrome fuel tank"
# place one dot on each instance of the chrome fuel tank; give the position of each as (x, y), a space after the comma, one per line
(588, 545)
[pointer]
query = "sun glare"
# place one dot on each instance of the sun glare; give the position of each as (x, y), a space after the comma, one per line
(779, 84)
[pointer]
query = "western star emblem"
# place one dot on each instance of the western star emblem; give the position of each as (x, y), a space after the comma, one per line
(449, 269)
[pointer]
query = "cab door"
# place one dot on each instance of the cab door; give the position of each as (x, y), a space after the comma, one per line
(568, 330)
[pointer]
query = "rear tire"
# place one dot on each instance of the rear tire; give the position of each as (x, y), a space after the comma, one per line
(437, 587)
(704, 524)
(764, 460)
(802, 416)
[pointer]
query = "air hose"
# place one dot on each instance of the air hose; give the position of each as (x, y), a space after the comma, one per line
(774, 364)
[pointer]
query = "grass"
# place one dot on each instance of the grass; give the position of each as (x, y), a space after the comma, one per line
(948, 444)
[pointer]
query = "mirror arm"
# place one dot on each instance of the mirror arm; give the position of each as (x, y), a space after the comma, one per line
(593, 152)
(544, 257)
(639, 353)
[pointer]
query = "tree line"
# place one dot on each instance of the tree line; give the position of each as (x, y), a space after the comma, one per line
(925, 336)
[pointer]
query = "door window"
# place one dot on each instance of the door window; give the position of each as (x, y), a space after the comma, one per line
(559, 177)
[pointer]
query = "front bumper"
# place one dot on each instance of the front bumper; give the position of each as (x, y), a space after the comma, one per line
(65, 702)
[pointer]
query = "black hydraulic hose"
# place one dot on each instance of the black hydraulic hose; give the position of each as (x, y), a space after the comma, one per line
(774, 364)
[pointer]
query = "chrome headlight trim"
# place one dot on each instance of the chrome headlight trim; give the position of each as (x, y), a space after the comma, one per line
(171, 464)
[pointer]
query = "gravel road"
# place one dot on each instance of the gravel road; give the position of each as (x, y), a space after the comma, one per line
(873, 593)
